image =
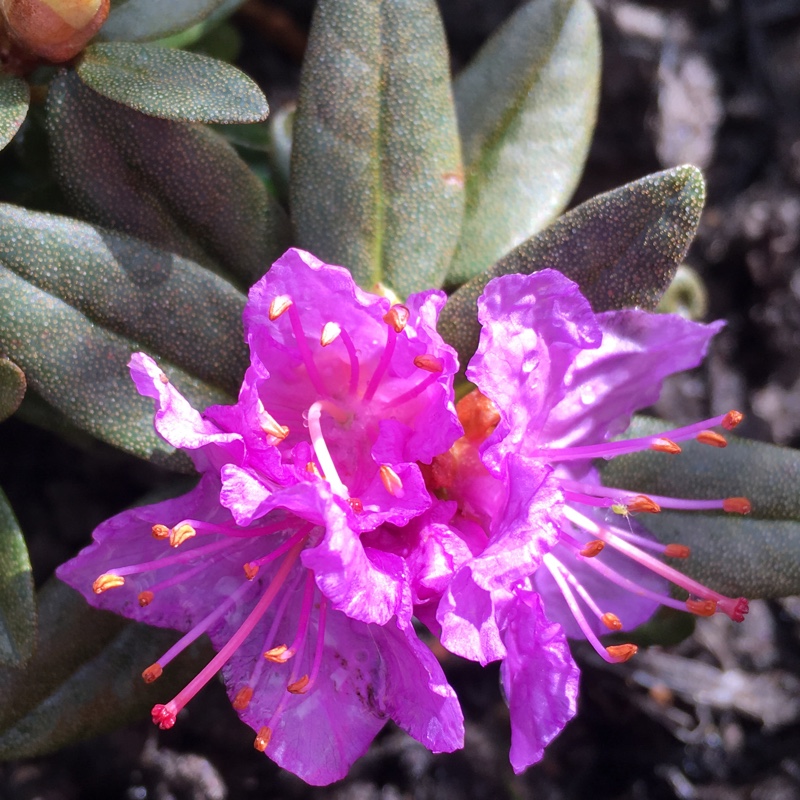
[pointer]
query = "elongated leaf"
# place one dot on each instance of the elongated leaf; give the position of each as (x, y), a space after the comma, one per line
(17, 606)
(177, 186)
(14, 100)
(12, 387)
(622, 248)
(172, 84)
(76, 301)
(141, 20)
(526, 111)
(85, 676)
(755, 556)
(376, 179)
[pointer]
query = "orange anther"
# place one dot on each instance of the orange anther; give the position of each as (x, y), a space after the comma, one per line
(330, 333)
(299, 686)
(397, 316)
(593, 548)
(391, 481)
(278, 305)
(250, 570)
(179, 534)
(276, 654)
(703, 608)
(429, 363)
(611, 621)
(732, 419)
(106, 582)
(622, 652)
(160, 531)
(311, 467)
(145, 598)
(163, 378)
(737, 505)
(152, 673)
(262, 740)
(643, 503)
(243, 698)
(478, 414)
(663, 445)
(712, 439)
(677, 551)
(356, 505)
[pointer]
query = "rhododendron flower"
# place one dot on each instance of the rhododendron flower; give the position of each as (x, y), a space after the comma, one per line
(555, 382)
(277, 553)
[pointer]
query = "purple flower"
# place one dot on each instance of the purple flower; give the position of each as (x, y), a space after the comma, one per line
(556, 381)
(280, 553)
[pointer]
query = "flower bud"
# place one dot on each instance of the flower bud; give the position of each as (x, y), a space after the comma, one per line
(55, 30)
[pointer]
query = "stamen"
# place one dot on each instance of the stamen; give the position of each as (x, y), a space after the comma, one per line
(160, 531)
(107, 581)
(243, 698)
(250, 571)
(301, 534)
(320, 644)
(269, 424)
(703, 608)
(663, 445)
(145, 598)
(275, 654)
(299, 686)
(305, 612)
(429, 363)
(180, 534)
(166, 714)
(321, 449)
(167, 561)
(555, 567)
(262, 740)
(593, 548)
(278, 305)
(677, 551)
(391, 481)
(305, 351)
(311, 468)
(383, 364)
(611, 621)
(354, 365)
(356, 505)
(643, 503)
(414, 391)
(330, 333)
(737, 505)
(397, 316)
(732, 420)
(622, 652)
(152, 673)
(712, 438)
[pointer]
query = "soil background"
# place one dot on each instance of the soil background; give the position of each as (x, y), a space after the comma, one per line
(717, 717)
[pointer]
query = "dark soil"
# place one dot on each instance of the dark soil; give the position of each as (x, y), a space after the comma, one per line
(712, 82)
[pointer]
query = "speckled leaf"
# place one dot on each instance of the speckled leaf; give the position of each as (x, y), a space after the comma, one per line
(12, 387)
(621, 247)
(14, 101)
(76, 301)
(172, 84)
(754, 556)
(376, 179)
(85, 676)
(178, 186)
(17, 606)
(141, 20)
(526, 111)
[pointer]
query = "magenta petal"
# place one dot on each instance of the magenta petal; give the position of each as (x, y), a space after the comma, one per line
(540, 680)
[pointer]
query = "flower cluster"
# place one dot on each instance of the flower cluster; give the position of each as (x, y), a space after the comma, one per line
(345, 494)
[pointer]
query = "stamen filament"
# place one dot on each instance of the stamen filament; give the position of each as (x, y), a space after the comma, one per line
(383, 364)
(305, 351)
(283, 548)
(414, 391)
(319, 647)
(354, 365)
(296, 647)
(172, 559)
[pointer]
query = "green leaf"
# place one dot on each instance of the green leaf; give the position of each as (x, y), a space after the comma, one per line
(172, 84)
(140, 20)
(17, 605)
(85, 676)
(526, 111)
(15, 97)
(376, 179)
(76, 301)
(754, 556)
(622, 248)
(177, 186)
(12, 387)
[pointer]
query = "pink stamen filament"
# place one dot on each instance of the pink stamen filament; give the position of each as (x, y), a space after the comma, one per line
(319, 647)
(732, 607)
(181, 557)
(623, 446)
(554, 566)
(321, 449)
(284, 548)
(233, 644)
(233, 531)
(204, 624)
(181, 577)
(414, 391)
(641, 541)
(296, 647)
(305, 351)
(354, 366)
(383, 364)
(578, 587)
(591, 494)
